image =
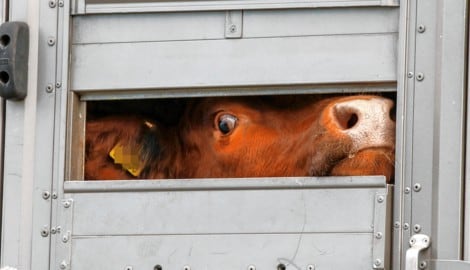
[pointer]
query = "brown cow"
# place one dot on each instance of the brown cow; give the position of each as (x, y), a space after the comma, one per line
(248, 137)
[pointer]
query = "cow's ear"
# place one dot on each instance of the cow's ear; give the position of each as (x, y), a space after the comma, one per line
(137, 155)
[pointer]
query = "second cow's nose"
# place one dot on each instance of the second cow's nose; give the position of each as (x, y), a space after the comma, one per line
(368, 122)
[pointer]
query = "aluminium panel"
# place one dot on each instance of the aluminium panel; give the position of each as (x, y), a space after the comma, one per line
(226, 223)
(113, 28)
(235, 62)
(100, 6)
(231, 252)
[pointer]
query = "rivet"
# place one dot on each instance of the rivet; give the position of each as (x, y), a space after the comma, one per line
(128, 267)
(65, 238)
(412, 241)
(407, 190)
(410, 74)
(406, 226)
(67, 204)
(58, 85)
(63, 265)
(417, 187)
(421, 28)
(380, 199)
(186, 267)
(61, 3)
(378, 235)
(46, 195)
(396, 225)
(54, 195)
(44, 232)
(51, 41)
(49, 88)
(420, 76)
(423, 265)
(310, 267)
(251, 267)
(378, 262)
(53, 230)
(52, 4)
(417, 228)
(233, 28)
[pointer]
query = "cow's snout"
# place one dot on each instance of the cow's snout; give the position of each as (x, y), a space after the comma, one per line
(368, 123)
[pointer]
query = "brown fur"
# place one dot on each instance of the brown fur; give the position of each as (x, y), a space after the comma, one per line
(277, 137)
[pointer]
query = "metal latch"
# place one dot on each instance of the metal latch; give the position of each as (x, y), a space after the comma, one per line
(14, 52)
(418, 242)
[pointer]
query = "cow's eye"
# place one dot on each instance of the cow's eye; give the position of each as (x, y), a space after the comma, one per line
(227, 123)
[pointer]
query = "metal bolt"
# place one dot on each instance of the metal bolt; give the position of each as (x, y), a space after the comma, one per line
(420, 76)
(52, 4)
(412, 241)
(61, 3)
(45, 232)
(410, 74)
(186, 267)
(233, 28)
(46, 195)
(417, 228)
(421, 28)
(380, 199)
(63, 265)
(310, 267)
(378, 235)
(49, 88)
(51, 41)
(251, 267)
(128, 267)
(423, 265)
(406, 226)
(417, 187)
(58, 85)
(378, 262)
(67, 204)
(65, 238)
(407, 190)
(396, 225)
(53, 230)
(54, 195)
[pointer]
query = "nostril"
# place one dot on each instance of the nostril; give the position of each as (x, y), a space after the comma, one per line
(352, 121)
(346, 117)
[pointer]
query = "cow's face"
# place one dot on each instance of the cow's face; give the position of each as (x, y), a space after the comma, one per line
(306, 136)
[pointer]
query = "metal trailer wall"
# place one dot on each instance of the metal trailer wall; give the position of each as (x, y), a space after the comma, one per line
(430, 71)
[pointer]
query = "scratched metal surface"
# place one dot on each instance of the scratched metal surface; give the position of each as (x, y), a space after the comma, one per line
(298, 222)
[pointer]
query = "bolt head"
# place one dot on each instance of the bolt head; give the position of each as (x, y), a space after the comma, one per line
(417, 187)
(378, 262)
(407, 190)
(46, 195)
(378, 235)
(380, 199)
(406, 226)
(421, 28)
(52, 4)
(417, 228)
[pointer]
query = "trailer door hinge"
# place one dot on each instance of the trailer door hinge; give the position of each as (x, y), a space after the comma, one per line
(418, 243)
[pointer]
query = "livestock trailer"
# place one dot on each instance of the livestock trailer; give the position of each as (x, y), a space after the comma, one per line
(85, 51)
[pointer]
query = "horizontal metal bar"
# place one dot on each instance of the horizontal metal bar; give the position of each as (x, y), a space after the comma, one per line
(225, 184)
(169, 6)
(234, 91)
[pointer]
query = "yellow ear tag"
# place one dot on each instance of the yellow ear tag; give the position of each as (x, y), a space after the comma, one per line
(128, 158)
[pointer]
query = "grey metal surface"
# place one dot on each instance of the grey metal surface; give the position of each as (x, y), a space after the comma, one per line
(450, 264)
(229, 223)
(434, 98)
(305, 55)
(106, 6)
